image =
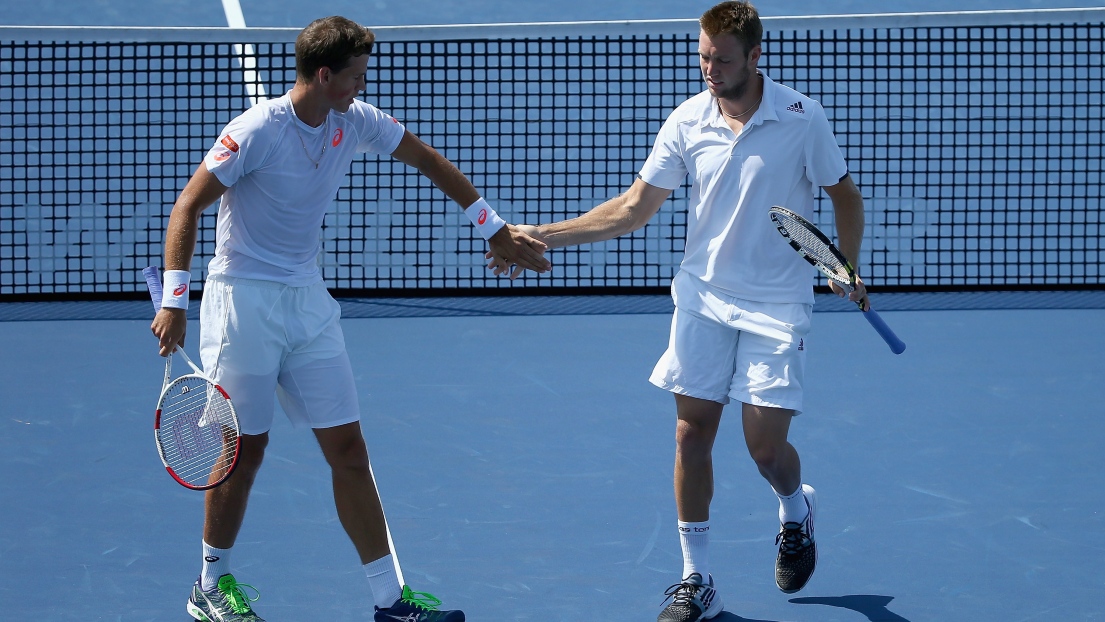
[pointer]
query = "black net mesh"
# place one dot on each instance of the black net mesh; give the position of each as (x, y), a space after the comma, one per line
(978, 150)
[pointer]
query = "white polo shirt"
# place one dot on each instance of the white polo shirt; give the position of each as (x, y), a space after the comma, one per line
(270, 219)
(785, 151)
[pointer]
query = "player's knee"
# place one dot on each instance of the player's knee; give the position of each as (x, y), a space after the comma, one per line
(765, 455)
(252, 452)
(348, 454)
(693, 440)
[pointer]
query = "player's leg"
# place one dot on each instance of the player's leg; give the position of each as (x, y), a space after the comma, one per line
(355, 494)
(770, 388)
(697, 367)
(244, 357)
(317, 389)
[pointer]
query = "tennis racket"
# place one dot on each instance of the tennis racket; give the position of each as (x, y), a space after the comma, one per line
(196, 428)
(817, 249)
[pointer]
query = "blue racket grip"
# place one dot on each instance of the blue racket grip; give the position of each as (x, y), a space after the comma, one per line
(153, 282)
(897, 346)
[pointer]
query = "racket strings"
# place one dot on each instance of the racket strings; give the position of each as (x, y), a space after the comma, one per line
(198, 431)
(817, 250)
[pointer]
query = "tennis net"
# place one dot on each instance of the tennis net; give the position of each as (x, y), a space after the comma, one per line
(975, 138)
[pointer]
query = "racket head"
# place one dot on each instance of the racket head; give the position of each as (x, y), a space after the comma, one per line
(197, 433)
(814, 246)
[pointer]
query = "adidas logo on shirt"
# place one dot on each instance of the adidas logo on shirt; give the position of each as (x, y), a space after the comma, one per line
(796, 107)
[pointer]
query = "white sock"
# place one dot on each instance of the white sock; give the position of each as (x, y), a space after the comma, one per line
(792, 507)
(383, 581)
(216, 563)
(695, 540)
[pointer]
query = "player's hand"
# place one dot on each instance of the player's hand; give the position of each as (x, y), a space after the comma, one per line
(515, 246)
(857, 295)
(169, 326)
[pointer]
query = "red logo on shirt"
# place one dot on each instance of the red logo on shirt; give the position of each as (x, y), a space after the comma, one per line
(483, 216)
(180, 289)
(229, 143)
(223, 156)
(337, 137)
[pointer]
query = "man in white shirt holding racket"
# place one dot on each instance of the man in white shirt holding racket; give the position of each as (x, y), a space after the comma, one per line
(268, 326)
(743, 297)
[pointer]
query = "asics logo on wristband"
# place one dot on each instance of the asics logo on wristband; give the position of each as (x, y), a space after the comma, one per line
(180, 289)
(482, 217)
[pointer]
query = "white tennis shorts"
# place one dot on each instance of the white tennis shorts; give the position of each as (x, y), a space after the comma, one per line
(263, 340)
(724, 348)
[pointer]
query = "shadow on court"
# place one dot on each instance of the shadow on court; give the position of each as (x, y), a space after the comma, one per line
(872, 606)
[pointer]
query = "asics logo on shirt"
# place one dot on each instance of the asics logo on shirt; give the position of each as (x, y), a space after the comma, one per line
(337, 137)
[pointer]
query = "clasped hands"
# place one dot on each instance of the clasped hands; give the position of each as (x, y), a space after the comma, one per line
(515, 249)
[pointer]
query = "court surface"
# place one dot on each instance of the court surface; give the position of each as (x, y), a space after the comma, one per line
(525, 466)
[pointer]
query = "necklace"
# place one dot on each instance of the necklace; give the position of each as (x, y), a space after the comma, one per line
(302, 143)
(746, 111)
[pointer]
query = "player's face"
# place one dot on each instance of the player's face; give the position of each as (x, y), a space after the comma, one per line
(727, 70)
(344, 86)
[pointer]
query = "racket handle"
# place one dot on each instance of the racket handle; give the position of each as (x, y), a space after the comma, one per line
(153, 282)
(897, 346)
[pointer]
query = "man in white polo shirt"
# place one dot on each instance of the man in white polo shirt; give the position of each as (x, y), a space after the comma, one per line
(268, 327)
(743, 297)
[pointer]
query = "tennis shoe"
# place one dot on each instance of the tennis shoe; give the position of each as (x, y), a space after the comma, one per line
(797, 550)
(692, 600)
(416, 607)
(226, 603)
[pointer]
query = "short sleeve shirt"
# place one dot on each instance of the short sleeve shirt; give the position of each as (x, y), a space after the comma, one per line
(270, 219)
(785, 151)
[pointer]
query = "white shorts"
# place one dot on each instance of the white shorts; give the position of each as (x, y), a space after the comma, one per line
(262, 339)
(724, 348)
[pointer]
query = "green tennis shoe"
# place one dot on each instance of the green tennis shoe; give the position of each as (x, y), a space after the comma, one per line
(228, 602)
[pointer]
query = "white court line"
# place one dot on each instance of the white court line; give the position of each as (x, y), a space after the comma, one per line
(246, 56)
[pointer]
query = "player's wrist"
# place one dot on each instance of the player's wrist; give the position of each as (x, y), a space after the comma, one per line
(486, 221)
(174, 293)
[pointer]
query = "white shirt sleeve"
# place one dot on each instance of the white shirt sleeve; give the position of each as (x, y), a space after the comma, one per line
(825, 165)
(665, 167)
(240, 148)
(379, 132)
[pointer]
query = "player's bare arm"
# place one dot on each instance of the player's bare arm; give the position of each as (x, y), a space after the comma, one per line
(622, 214)
(202, 190)
(848, 212)
(508, 245)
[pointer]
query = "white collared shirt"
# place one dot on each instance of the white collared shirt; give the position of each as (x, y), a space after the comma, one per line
(270, 219)
(785, 151)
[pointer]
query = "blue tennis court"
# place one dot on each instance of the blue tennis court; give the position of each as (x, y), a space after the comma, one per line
(524, 461)
(525, 465)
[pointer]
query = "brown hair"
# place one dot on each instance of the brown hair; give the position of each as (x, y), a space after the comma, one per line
(739, 19)
(330, 42)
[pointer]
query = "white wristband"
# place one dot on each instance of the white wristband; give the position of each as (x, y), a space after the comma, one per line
(485, 219)
(174, 292)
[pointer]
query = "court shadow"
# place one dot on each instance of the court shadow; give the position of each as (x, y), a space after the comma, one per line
(874, 607)
(727, 616)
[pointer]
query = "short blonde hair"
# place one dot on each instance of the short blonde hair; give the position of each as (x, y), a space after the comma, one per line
(739, 19)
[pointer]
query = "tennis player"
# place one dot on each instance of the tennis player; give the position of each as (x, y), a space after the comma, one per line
(743, 297)
(268, 326)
